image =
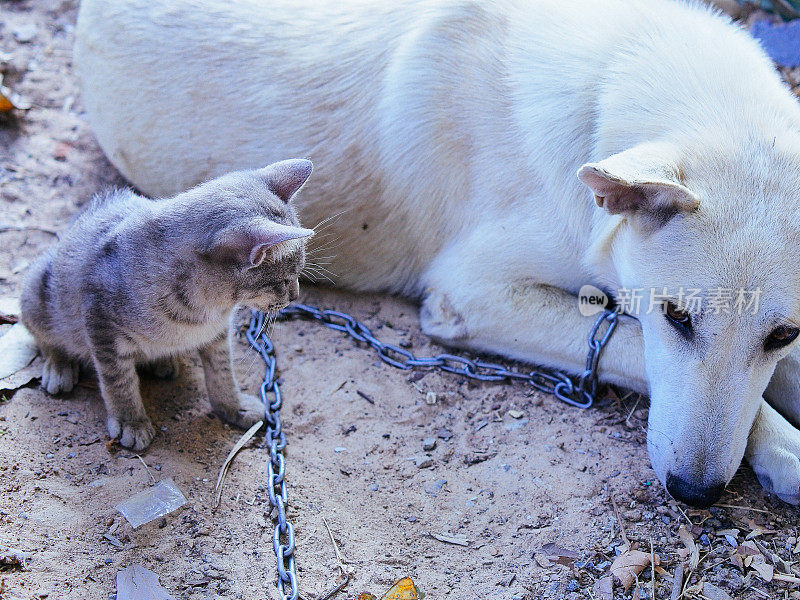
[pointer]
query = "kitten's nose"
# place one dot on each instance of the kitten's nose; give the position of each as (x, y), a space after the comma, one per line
(294, 290)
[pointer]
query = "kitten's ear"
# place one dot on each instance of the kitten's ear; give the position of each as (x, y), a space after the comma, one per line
(248, 246)
(286, 177)
(271, 234)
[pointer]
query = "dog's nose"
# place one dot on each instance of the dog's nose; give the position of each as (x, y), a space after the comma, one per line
(699, 496)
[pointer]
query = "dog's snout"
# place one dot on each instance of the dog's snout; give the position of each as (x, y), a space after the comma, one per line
(699, 496)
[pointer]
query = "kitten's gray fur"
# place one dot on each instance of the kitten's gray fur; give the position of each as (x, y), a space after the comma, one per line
(138, 281)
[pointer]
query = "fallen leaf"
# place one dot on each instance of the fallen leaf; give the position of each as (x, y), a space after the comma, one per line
(366, 596)
(404, 589)
(22, 377)
(712, 592)
(627, 566)
(764, 570)
(688, 541)
(560, 555)
(14, 558)
(136, 583)
(9, 100)
(9, 310)
(17, 350)
(603, 588)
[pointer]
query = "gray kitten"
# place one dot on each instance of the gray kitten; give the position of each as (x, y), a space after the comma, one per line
(139, 281)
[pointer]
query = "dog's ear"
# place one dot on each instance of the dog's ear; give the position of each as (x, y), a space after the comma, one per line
(284, 178)
(641, 181)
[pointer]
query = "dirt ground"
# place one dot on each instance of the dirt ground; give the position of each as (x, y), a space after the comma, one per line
(508, 469)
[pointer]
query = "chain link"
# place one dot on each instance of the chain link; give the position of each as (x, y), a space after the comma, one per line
(579, 392)
(283, 534)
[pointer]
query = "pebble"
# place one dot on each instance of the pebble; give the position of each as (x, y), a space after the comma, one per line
(444, 434)
(338, 449)
(428, 444)
(24, 33)
(424, 462)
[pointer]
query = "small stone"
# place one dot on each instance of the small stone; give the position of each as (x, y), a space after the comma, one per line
(516, 414)
(162, 523)
(24, 33)
(430, 398)
(339, 449)
(444, 434)
(424, 462)
(428, 444)
(493, 551)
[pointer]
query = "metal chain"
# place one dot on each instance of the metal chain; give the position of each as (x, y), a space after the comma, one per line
(283, 535)
(578, 392)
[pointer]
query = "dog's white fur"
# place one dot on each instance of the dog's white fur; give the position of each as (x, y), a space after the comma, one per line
(451, 133)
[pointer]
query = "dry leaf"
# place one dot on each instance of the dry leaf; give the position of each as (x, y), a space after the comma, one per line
(17, 350)
(628, 565)
(603, 588)
(688, 541)
(560, 555)
(712, 592)
(9, 100)
(402, 590)
(14, 558)
(764, 570)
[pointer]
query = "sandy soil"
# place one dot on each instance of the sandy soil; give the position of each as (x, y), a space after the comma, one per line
(510, 485)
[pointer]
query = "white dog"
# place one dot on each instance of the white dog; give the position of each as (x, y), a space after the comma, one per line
(451, 132)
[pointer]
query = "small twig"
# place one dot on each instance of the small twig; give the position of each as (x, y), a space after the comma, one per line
(234, 451)
(652, 571)
(677, 583)
(146, 468)
(620, 523)
(750, 508)
(685, 516)
(365, 397)
(337, 589)
(346, 573)
(4, 228)
(630, 414)
(787, 578)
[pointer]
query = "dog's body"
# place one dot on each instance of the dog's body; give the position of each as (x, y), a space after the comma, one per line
(451, 133)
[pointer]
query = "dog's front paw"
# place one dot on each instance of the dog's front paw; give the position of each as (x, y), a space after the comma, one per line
(773, 451)
(135, 434)
(59, 376)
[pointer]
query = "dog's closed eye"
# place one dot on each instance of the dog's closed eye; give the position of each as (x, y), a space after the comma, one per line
(781, 336)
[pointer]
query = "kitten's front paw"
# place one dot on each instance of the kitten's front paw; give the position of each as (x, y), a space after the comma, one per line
(133, 434)
(164, 368)
(249, 411)
(59, 375)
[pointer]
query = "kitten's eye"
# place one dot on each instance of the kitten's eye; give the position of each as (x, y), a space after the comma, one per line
(780, 337)
(679, 319)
